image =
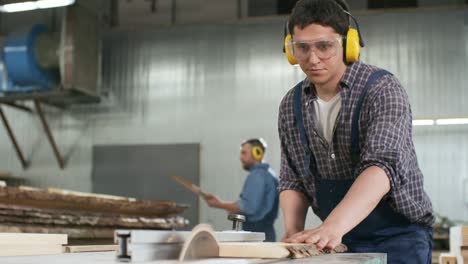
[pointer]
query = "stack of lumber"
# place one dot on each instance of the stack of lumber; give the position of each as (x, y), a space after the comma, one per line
(458, 246)
(83, 216)
(18, 244)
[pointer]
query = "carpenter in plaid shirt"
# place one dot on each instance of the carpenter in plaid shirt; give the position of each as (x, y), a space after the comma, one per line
(370, 196)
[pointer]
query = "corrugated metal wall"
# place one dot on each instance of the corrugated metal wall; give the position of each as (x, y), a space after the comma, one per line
(428, 52)
(220, 84)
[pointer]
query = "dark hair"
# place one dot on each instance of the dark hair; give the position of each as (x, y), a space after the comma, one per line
(323, 12)
(256, 142)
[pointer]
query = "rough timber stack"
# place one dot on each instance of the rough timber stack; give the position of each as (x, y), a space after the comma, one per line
(83, 216)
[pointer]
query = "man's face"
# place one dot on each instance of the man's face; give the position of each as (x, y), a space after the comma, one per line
(246, 157)
(320, 66)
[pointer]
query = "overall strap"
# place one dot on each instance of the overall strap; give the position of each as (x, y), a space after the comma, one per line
(297, 108)
(355, 148)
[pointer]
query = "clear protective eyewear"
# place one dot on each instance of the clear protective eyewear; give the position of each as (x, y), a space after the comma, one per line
(322, 48)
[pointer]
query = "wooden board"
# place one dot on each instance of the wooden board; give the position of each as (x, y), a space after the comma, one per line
(32, 239)
(22, 244)
(202, 243)
(29, 250)
(192, 187)
(90, 248)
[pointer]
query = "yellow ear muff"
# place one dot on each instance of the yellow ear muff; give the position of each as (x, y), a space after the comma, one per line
(257, 153)
(289, 56)
(352, 47)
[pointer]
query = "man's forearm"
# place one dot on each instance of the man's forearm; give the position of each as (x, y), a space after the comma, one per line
(363, 196)
(294, 207)
(230, 207)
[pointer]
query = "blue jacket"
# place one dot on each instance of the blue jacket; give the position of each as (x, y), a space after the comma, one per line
(259, 200)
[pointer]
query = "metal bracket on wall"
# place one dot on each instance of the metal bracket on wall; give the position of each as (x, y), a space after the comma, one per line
(47, 130)
(59, 158)
(19, 153)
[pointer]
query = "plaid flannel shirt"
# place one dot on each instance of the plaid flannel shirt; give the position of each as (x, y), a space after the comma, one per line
(385, 139)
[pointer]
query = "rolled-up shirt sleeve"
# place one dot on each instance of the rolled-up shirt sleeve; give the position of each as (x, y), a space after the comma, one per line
(387, 141)
(252, 197)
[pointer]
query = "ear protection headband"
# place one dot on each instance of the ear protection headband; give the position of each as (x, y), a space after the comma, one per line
(352, 42)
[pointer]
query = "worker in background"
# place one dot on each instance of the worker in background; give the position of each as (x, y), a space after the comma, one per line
(346, 144)
(258, 201)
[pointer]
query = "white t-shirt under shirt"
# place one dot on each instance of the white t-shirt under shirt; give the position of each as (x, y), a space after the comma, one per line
(325, 116)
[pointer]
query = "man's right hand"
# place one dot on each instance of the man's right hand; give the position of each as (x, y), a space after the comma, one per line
(212, 200)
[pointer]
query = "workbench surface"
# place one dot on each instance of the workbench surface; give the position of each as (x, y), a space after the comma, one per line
(109, 258)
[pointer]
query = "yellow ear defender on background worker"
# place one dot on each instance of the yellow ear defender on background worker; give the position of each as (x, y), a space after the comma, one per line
(257, 153)
(352, 42)
(258, 147)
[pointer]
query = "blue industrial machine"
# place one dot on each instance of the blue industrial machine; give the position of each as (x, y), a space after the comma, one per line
(56, 68)
(26, 63)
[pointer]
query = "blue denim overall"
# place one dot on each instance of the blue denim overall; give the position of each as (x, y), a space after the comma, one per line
(383, 230)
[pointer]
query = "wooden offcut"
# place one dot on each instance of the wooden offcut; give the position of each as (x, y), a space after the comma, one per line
(274, 250)
(90, 248)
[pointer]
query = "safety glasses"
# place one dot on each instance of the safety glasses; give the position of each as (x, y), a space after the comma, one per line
(322, 48)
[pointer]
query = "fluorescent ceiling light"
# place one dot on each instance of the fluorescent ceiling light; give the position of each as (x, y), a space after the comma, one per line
(33, 5)
(54, 3)
(423, 122)
(452, 121)
(440, 121)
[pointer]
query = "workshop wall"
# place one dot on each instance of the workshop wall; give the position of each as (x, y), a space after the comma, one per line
(219, 84)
